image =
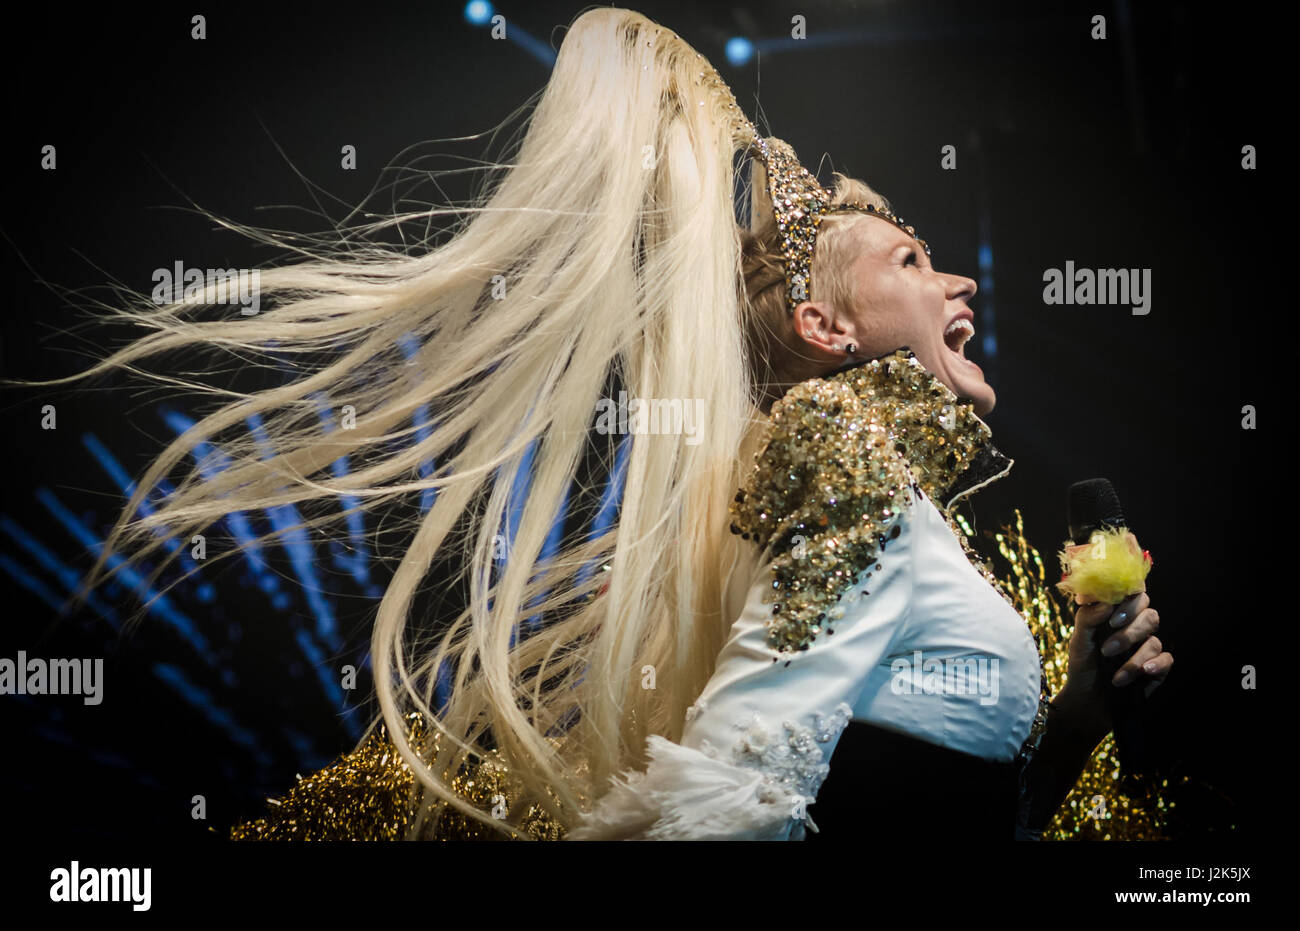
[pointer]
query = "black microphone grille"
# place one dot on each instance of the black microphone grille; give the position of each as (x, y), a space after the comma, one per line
(1093, 503)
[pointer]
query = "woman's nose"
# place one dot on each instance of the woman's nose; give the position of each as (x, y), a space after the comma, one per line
(961, 287)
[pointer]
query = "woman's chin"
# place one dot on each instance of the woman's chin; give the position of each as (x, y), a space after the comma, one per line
(978, 390)
(980, 393)
(966, 379)
(963, 377)
(984, 406)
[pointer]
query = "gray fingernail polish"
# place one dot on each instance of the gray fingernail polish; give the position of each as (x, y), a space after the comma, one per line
(1118, 619)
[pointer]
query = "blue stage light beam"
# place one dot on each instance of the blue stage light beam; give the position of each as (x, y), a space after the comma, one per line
(481, 13)
(30, 582)
(423, 428)
(108, 462)
(216, 715)
(356, 562)
(211, 461)
(68, 577)
(159, 604)
(297, 543)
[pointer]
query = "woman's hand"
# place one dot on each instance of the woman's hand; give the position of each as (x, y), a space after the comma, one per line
(1131, 623)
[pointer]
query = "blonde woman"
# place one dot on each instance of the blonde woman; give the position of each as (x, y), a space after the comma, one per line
(666, 694)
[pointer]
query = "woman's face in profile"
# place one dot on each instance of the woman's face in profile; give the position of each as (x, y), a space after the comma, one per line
(903, 301)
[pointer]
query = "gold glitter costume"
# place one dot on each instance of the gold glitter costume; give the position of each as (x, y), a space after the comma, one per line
(369, 795)
(840, 457)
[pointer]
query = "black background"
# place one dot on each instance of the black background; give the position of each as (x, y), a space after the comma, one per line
(1123, 153)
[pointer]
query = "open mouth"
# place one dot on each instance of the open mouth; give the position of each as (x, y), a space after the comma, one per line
(957, 334)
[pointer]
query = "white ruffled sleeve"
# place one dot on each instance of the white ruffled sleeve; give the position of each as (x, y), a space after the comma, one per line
(759, 739)
(685, 794)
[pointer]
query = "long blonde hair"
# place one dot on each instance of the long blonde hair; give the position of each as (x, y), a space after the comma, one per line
(609, 249)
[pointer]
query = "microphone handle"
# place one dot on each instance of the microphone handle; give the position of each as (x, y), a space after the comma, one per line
(1125, 704)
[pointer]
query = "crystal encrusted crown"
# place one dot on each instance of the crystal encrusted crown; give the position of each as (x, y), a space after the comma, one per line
(799, 204)
(798, 201)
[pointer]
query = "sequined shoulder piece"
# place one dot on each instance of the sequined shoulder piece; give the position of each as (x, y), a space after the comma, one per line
(948, 448)
(369, 795)
(824, 498)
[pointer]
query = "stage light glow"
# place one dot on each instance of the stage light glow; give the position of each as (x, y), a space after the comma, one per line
(478, 12)
(739, 50)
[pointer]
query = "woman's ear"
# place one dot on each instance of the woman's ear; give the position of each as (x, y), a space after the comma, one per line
(814, 323)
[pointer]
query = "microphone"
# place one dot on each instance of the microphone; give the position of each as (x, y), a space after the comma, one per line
(1094, 506)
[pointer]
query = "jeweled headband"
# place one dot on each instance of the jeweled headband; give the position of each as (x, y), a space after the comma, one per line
(799, 204)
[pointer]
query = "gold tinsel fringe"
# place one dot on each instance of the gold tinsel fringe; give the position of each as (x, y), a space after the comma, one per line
(1100, 806)
(371, 794)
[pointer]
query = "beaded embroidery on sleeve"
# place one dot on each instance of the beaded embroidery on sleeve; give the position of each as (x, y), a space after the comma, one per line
(791, 760)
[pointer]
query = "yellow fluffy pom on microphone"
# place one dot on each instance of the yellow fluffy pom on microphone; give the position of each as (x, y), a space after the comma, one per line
(1109, 567)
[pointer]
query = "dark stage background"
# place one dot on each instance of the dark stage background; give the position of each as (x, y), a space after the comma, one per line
(1123, 153)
